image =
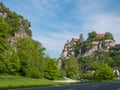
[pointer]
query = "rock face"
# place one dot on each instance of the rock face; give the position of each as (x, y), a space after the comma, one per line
(18, 25)
(96, 45)
(68, 48)
(99, 45)
(84, 50)
(20, 34)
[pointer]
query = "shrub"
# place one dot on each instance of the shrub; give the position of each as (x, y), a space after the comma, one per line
(2, 67)
(29, 32)
(32, 72)
(104, 73)
(51, 70)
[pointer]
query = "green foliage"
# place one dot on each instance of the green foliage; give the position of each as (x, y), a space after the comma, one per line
(92, 35)
(11, 60)
(104, 73)
(101, 56)
(51, 70)
(108, 35)
(61, 73)
(4, 8)
(117, 61)
(32, 72)
(25, 56)
(94, 65)
(2, 67)
(115, 55)
(109, 61)
(28, 32)
(77, 47)
(3, 34)
(28, 54)
(84, 62)
(17, 82)
(15, 21)
(88, 76)
(72, 68)
(81, 38)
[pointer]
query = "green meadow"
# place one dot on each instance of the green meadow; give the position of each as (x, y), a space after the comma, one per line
(13, 82)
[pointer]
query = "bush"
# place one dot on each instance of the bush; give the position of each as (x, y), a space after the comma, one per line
(88, 76)
(29, 32)
(2, 67)
(32, 72)
(104, 73)
(51, 70)
(61, 74)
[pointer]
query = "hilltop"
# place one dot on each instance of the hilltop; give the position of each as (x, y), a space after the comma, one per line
(94, 42)
(85, 57)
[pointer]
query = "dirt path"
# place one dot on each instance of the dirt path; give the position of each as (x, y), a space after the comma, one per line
(67, 80)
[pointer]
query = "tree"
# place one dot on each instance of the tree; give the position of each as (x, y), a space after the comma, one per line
(2, 67)
(117, 61)
(100, 55)
(29, 32)
(92, 35)
(84, 62)
(109, 61)
(114, 53)
(28, 54)
(3, 43)
(11, 61)
(72, 68)
(94, 65)
(41, 55)
(81, 38)
(51, 69)
(3, 35)
(108, 35)
(104, 73)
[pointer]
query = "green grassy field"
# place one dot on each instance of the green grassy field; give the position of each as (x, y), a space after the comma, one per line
(11, 82)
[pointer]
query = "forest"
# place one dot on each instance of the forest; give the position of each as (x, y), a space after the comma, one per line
(19, 53)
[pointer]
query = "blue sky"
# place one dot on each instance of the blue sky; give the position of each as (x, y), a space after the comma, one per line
(53, 22)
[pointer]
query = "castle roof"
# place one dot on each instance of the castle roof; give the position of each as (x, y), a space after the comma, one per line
(100, 35)
(75, 39)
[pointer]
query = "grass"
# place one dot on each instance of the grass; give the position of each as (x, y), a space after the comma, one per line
(13, 82)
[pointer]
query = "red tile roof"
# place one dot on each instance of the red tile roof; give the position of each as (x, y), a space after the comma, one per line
(75, 39)
(117, 45)
(100, 35)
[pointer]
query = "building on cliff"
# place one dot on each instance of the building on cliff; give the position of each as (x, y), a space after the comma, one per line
(68, 48)
(96, 45)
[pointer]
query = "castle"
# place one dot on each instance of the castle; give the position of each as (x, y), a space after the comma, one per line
(97, 45)
(89, 50)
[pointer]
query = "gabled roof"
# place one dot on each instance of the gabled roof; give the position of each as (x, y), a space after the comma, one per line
(75, 39)
(100, 35)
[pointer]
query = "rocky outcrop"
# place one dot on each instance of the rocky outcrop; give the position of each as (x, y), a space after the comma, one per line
(18, 25)
(68, 48)
(87, 50)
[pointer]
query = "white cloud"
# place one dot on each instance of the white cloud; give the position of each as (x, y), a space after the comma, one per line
(56, 21)
(102, 23)
(89, 14)
(54, 42)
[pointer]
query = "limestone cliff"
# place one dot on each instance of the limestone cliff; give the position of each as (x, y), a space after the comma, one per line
(19, 27)
(85, 48)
